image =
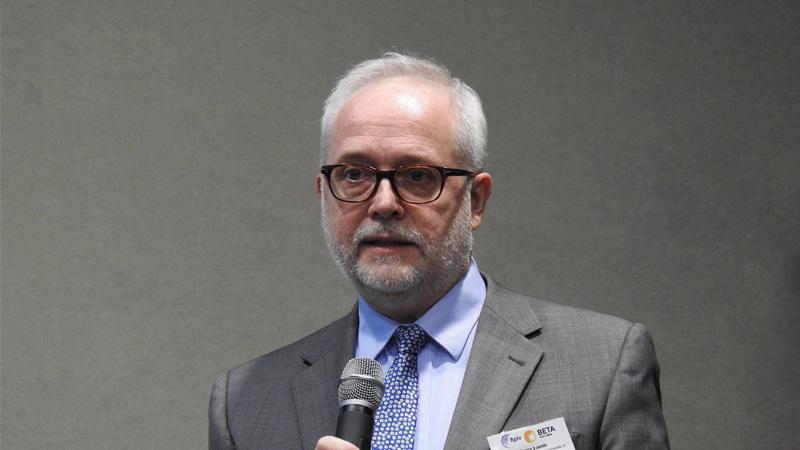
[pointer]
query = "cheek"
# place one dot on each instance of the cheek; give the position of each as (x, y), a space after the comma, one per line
(344, 220)
(434, 223)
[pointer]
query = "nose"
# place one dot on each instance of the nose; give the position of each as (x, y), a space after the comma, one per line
(385, 204)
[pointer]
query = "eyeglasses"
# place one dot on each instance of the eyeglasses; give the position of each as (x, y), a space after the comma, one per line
(419, 183)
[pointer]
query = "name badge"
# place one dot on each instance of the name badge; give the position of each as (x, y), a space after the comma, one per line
(550, 435)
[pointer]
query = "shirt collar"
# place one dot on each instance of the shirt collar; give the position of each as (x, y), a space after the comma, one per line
(449, 322)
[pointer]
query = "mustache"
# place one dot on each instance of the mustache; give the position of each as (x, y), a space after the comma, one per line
(391, 228)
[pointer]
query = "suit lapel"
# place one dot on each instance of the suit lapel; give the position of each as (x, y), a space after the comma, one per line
(501, 363)
(314, 389)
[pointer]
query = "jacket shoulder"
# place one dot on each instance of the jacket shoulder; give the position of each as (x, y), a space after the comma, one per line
(563, 325)
(287, 360)
(557, 315)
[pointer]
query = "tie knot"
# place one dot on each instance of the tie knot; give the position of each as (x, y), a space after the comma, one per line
(410, 339)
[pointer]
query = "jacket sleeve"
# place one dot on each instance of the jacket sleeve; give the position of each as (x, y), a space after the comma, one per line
(633, 416)
(219, 436)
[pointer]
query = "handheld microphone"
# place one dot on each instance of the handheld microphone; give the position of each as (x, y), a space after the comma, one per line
(360, 393)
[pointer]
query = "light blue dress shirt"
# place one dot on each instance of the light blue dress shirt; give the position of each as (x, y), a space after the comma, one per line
(451, 324)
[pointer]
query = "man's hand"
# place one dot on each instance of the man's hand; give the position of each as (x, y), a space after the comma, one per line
(334, 443)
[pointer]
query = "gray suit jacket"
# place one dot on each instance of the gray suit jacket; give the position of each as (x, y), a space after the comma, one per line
(531, 361)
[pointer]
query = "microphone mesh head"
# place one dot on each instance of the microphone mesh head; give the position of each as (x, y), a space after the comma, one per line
(353, 385)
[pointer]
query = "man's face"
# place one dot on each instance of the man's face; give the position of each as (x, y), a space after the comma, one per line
(384, 243)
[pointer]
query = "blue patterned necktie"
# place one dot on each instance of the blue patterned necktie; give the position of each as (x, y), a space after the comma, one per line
(396, 419)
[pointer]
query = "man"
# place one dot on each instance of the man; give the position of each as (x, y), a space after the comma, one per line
(401, 190)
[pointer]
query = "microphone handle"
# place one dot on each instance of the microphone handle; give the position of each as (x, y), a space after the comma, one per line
(355, 425)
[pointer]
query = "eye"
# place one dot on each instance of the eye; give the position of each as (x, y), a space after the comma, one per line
(418, 175)
(353, 173)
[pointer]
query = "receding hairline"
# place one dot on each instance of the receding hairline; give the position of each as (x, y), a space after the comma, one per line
(465, 104)
(450, 105)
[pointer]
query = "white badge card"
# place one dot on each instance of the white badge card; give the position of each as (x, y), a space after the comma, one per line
(550, 435)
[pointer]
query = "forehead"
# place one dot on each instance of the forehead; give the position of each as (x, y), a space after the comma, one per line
(401, 118)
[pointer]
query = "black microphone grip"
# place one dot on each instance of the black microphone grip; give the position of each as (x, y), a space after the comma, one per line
(355, 425)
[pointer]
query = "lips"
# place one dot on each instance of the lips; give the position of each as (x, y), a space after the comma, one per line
(386, 241)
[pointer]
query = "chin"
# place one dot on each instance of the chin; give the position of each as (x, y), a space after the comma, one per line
(388, 275)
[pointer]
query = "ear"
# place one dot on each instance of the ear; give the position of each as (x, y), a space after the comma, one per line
(481, 190)
(319, 185)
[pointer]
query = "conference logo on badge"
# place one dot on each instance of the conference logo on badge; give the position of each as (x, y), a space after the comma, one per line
(509, 440)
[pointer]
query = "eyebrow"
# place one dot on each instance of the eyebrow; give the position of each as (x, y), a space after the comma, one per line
(358, 157)
(354, 157)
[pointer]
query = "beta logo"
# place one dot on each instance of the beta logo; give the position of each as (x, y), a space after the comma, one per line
(509, 439)
(546, 431)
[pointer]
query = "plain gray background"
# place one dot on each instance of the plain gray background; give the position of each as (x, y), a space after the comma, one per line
(159, 220)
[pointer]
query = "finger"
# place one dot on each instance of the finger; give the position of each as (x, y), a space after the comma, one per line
(334, 443)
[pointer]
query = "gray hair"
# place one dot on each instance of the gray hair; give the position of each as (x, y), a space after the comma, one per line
(470, 120)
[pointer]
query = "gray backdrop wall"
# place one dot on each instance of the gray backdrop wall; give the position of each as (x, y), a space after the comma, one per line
(159, 222)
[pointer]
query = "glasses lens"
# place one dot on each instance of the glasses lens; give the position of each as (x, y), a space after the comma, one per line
(353, 183)
(418, 183)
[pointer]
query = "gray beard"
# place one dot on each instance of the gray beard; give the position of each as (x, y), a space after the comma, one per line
(390, 287)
